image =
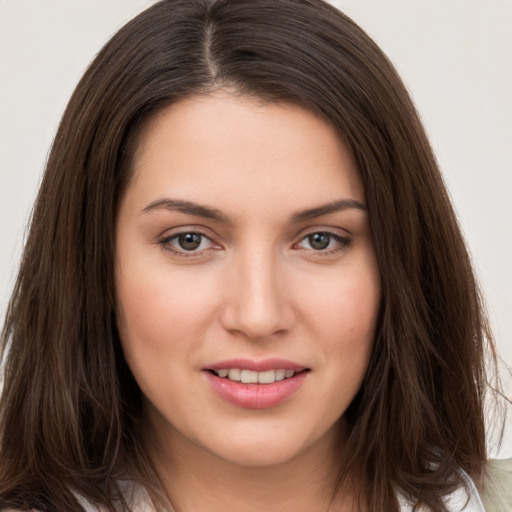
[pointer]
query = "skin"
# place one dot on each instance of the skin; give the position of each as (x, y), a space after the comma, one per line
(255, 288)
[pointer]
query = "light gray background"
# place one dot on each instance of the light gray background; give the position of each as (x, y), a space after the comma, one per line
(455, 57)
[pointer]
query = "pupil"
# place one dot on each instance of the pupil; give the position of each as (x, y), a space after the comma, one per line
(189, 241)
(319, 241)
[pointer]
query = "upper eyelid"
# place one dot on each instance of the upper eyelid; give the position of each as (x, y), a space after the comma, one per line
(180, 230)
(336, 236)
(336, 231)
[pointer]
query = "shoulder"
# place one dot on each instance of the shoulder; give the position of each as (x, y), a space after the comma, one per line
(465, 498)
(496, 493)
(135, 494)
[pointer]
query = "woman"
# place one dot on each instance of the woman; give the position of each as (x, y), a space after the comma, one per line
(244, 285)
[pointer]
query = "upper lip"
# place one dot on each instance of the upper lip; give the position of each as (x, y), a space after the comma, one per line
(257, 366)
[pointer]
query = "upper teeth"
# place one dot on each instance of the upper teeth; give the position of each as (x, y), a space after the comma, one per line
(250, 377)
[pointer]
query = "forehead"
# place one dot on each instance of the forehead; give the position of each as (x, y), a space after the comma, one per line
(219, 146)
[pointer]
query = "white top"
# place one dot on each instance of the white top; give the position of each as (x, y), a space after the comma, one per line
(458, 501)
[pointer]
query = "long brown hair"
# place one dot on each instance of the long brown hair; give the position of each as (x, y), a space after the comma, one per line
(70, 409)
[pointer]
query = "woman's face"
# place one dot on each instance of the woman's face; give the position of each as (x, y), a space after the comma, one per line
(244, 252)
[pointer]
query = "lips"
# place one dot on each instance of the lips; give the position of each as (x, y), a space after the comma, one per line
(257, 366)
(256, 384)
(251, 377)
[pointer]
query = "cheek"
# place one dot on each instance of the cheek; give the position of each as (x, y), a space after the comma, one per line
(346, 313)
(161, 311)
(343, 321)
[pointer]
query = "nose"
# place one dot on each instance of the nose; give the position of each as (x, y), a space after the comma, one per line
(257, 300)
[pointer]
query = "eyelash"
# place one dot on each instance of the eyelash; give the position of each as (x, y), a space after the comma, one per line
(343, 243)
(165, 243)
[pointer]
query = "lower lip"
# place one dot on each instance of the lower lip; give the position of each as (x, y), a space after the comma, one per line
(256, 396)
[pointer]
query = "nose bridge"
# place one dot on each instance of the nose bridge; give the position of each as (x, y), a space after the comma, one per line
(257, 304)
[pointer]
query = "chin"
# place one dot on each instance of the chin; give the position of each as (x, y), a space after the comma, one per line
(255, 455)
(272, 446)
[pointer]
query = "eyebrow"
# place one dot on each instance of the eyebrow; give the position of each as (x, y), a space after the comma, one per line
(189, 208)
(335, 206)
(197, 210)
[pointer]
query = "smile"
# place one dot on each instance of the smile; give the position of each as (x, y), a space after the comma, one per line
(252, 377)
(256, 384)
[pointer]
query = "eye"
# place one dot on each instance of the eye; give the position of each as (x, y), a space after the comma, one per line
(187, 242)
(324, 241)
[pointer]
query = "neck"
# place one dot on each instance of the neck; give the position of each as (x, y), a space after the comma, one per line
(195, 479)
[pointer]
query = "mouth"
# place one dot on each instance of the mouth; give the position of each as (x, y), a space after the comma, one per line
(256, 385)
(253, 377)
